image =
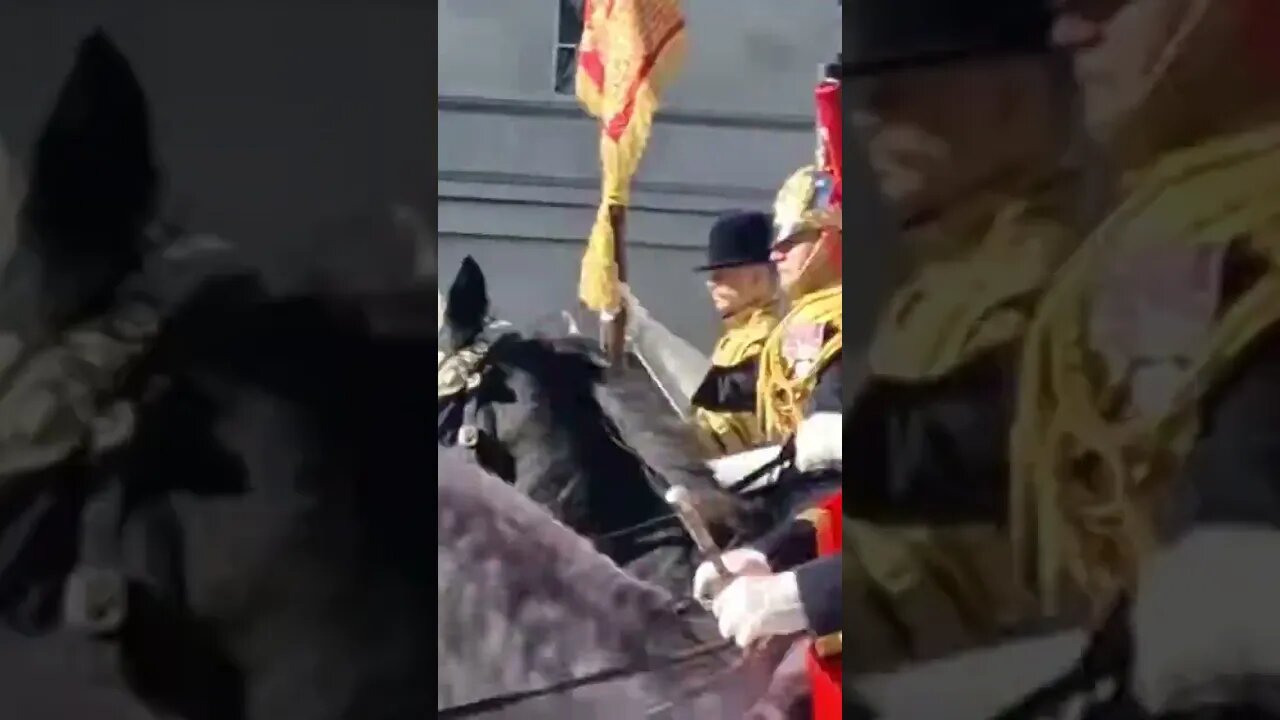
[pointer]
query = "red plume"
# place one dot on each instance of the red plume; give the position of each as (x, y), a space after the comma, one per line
(831, 132)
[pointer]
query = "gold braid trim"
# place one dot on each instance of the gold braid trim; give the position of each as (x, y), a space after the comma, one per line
(1087, 486)
(780, 398)
(745, 337)
(723, 433)
(955, 309)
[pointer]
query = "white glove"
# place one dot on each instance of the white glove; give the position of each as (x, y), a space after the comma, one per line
(1203, 620)
(820, 442)
(676, 366)
(754, 607)
(638, 317)
(742, 561)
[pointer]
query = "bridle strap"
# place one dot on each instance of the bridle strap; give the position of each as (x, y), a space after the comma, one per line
(613, 674)
(95, 599)
(478, 423)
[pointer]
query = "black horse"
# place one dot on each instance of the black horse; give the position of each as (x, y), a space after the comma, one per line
(595, 445)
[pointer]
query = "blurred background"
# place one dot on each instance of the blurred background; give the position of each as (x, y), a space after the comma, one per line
(280, 124)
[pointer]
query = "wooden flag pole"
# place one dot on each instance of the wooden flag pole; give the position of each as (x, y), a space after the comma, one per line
(614, 332)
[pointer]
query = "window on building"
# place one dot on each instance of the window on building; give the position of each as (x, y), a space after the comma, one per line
(568, 33)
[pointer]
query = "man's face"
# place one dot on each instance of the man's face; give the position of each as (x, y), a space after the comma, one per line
(1119, 50)
(936, 133)
(736, 288)
(793, 255)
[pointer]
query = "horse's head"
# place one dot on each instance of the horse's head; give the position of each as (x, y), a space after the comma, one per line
(595, 444)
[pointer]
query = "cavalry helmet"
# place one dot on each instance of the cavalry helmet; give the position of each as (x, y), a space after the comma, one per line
(807, 201)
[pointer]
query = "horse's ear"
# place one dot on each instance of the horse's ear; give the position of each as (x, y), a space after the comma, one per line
(94, 173)
(468, 302)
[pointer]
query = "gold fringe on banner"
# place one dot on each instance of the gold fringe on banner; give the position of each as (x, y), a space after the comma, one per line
(630, 50)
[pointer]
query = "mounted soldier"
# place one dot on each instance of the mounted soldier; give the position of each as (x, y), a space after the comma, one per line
(743, 288)
(791, 581)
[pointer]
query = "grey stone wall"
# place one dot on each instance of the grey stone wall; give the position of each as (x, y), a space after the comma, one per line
(518, 164)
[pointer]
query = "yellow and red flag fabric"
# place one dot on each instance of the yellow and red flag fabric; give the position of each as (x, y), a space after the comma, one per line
(630, 51)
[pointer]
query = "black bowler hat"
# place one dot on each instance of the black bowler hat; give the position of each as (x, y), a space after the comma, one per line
(739, 238)
(893, 34)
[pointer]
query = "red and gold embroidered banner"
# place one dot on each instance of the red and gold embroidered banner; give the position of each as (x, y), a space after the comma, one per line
(630, 51)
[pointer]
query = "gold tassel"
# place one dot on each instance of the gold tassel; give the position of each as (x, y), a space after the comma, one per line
(599, 285)
(1095, 529)
(781, 398)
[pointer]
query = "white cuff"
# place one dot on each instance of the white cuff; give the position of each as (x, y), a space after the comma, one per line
(820, 441)
(732, 469)
(1204, 621)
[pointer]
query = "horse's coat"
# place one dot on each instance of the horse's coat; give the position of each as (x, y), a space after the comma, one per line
(515, 584)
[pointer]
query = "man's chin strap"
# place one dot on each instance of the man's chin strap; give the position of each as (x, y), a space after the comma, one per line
(817, 273)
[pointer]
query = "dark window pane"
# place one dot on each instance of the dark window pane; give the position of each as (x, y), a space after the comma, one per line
(570, 22)
(566, 70)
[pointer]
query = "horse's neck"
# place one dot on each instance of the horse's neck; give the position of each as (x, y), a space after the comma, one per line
(571, 466)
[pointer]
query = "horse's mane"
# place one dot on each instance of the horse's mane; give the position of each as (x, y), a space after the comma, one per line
(664, 442)
(633, 414)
